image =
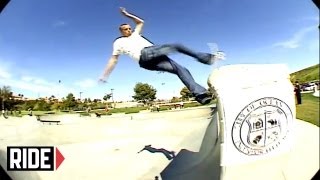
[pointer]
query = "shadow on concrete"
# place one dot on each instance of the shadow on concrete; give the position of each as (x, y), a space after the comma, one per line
(205, 164)
(3, 174)
(316, 176)
(6, 117)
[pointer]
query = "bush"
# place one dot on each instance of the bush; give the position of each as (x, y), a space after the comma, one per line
(132, 110)
(85, 114)
(125, 110)
(196, 104)
(16, 115)
(104, 113)
(164, 108)
(193, 104)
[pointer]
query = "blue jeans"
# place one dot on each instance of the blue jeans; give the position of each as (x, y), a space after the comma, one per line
(155, 58)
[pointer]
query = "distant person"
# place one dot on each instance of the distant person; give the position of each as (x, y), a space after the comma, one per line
(297, 91)
(30, 112)
(154, 57)
(181, 104)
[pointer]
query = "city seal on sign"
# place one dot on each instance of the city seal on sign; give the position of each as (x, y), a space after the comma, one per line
(261, 126)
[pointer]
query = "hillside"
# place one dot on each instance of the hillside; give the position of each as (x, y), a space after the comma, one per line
(305, 75)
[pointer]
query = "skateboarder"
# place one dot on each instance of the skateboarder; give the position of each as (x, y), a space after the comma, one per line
(154, 57)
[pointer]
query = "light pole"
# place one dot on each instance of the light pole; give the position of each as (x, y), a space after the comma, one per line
(2, 101)
(114, 105)
(80, 95)
(59, 87)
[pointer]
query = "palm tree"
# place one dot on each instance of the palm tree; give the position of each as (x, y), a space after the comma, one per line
(107, 97)
(5, 93)
(52, 98)
(21, 96)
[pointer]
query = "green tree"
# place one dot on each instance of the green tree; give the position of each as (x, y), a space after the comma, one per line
(56, 106)
(107, 97)
(5, 94)
(52, 98)
(70, 101)
(144, 92)
(175, 99)
(29, 104)
(185, 93)
(21, 96)
(41, 105)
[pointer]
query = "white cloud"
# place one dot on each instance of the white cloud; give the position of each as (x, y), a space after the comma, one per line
(59, 23)
(86, 83)
(26, 78)
(4, 74)
(4, 69)
(314, 45)
(314, 18)
(30, 85)
(308, 18)
(35, 80)
(37, 86)
(295, 40)
(41, 81)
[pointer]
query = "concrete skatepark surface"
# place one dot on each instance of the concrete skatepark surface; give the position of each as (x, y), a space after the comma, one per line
(106, 148)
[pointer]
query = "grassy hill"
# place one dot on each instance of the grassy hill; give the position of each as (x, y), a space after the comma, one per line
(305, 75)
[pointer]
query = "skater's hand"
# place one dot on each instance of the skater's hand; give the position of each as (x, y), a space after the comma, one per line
(102, 80)
(124, 11)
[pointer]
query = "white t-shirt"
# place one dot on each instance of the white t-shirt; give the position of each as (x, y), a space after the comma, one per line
(130, 46)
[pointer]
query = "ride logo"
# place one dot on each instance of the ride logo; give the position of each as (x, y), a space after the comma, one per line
(33, 158)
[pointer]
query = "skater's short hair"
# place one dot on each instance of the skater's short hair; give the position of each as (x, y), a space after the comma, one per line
(122, 25)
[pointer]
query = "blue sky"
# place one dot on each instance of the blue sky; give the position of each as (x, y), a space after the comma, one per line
(44, 41)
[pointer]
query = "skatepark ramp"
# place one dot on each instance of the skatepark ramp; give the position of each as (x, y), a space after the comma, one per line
(205, 164)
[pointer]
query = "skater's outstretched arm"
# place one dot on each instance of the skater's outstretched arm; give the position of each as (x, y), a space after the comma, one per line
(109, 67)
(139, 22)
(141, 150)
